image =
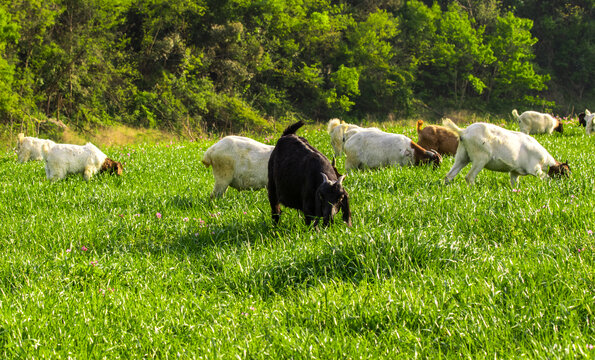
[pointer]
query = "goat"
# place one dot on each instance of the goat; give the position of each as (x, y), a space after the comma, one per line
(435, 137)
(238, 162)
(588, 120)
(337, 129)
(64, 159)
(302, 178)
(29, 148)
(533, 122)
(581, 119)
(497, 149)
(373, 148)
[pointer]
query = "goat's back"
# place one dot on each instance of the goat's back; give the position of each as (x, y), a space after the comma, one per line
(438, 138)
(534, 122)
(75, 157)
(490, 138)
(237, 148)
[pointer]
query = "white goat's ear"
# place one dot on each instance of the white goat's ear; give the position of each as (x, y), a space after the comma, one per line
(587, 112)
(341, 178)
(324, 178)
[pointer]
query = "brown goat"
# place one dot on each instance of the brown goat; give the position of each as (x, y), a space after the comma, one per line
(435, 137)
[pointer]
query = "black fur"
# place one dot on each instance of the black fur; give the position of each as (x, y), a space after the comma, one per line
(302, 178)
(581, 119)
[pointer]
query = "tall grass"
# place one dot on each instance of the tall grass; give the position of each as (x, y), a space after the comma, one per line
(146, 265)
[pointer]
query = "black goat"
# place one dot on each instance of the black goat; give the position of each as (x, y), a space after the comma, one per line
(581, 119)
(302, 178)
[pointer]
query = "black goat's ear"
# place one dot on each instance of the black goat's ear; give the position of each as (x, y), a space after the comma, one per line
(324, 178)
(341, 178)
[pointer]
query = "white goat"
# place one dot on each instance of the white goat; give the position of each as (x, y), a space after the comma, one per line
(497, 149)
(29, 148)
(373, 148)
(533, 122)
(239, 162)
(588, 119)
(64, 159)
(337, 129)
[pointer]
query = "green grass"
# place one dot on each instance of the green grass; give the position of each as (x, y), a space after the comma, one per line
(427, 270)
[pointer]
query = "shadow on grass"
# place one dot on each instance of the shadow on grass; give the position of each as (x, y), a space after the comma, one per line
(355, 261)
(6, 159)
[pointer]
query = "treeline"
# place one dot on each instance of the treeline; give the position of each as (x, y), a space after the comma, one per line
(231, 64)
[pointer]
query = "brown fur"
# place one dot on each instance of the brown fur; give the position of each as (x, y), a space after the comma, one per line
(560, 169)
(439, 138)
(112, 167)
(559, 128)
(423, 156)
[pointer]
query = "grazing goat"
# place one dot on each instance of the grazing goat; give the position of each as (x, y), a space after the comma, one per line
(337, 129)
(373, 148)
(588, 120)
(435, 137)
(238, 162)
(64, 159)
(302, 178)
(533, 122)
(497, 149)
(29, 148)
(581, 119)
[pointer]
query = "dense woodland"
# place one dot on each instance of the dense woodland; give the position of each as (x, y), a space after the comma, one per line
(235, 64)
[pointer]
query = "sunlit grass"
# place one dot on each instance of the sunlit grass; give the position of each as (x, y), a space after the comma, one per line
(91, 270)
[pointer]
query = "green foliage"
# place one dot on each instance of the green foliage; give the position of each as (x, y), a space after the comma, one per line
(159, 63)
(8, 34)
(512, 44)
(565, 30)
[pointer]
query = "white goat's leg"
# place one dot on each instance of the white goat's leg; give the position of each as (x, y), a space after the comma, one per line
(219, 188)
(223, 170)
(461, 160)
(23, 156)
(53, 175)
(513, 178)
(88, 173)
(539, 173)
(350, 163)
(475, 169)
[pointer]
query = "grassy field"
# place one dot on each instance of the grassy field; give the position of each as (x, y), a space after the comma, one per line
(146, 265)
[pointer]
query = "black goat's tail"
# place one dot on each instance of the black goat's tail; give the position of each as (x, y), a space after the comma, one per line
(291, 129)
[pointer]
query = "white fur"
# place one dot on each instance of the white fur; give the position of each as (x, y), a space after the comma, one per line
(29, 148)
(533, 122)
(64, 159)
(497, 149)
(374, 148)
(239, 162)
(589, 120)
(337, 130)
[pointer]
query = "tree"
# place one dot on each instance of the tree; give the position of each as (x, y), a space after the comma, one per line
(8, 34)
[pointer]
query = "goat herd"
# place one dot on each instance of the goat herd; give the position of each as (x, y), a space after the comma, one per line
(299, 176)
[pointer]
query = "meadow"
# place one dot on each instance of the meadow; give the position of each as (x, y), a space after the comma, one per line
(148, 266)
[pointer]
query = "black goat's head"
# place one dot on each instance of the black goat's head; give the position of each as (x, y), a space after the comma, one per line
(330, 197)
